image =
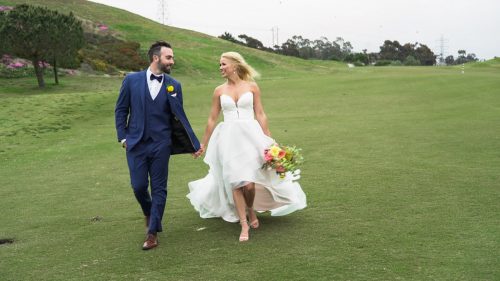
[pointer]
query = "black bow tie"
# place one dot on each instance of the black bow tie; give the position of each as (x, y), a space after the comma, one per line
(158, 78)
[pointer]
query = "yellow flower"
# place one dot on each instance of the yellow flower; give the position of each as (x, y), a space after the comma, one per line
(274, 150)
(170, 88)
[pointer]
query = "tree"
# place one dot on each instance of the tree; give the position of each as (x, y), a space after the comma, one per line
(425, 55)
(360, 58)
(67, 38)
(461, 57)
(407, 50)
(304, 46)
(390, 50)
(449, 60)
(393, 51)
(289, 48)
(251, 42)
(471, 57)
(229, 37)
(346, 46)
(40, 34)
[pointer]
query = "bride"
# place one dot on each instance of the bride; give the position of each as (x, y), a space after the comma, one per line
(235, 185)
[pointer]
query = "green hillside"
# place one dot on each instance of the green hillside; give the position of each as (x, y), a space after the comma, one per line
(197, 54)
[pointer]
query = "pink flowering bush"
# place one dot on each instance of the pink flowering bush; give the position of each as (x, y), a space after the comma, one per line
(5, 8)
(102, 27)
(15, 67)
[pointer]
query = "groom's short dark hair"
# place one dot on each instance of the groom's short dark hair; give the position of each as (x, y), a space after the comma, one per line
(155, 49)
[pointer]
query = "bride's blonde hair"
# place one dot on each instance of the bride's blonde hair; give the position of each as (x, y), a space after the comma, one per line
(243, 69)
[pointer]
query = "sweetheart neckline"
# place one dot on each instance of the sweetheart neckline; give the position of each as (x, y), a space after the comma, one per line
(236, 102)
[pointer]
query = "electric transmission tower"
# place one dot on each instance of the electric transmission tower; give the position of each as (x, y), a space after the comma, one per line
(274, 30)
(443, 48)
(162, 11)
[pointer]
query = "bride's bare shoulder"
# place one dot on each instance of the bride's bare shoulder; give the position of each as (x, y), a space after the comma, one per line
(254, 88)
(219, 90)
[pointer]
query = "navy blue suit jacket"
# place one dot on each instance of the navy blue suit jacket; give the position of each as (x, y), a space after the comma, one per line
(130, 113)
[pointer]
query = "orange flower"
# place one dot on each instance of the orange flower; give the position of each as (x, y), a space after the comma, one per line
(281, 154)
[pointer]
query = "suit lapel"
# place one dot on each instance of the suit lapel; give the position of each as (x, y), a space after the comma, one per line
(145, 91)
(163, 88)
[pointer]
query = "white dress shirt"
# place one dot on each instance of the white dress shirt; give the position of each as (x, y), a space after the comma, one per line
(153, 85)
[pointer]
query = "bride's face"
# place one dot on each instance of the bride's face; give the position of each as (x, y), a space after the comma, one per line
(225, 67)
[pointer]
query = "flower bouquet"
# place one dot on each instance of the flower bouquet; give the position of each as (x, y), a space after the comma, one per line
(282, 159)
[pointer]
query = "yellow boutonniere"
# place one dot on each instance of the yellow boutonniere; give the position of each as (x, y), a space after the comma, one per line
(170, 88)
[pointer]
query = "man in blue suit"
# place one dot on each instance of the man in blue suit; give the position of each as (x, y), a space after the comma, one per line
(151, 125)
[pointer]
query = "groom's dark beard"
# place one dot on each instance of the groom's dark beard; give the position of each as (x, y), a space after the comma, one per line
(164, 68)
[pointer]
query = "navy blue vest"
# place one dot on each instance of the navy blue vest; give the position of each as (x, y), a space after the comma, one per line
(157, 120)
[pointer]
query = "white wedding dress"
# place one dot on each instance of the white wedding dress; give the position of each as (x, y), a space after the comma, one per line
(235, 154)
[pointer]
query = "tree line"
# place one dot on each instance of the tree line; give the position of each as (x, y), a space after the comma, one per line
(463, 57)
(391, 52)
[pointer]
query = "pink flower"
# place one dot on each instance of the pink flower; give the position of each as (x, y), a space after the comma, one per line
(280, 169)
(102, 27)
(6, 8)
(13, 65)
(18, 64)
(268, 157)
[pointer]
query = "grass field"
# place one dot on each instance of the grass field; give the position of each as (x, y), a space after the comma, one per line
(402, 178)
(402, 172)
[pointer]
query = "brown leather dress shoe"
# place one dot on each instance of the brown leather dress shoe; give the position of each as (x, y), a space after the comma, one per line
(151, 242)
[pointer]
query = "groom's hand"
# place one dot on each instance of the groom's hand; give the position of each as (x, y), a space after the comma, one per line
(199, 152)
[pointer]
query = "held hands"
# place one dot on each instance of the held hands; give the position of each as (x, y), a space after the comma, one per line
(199, 152)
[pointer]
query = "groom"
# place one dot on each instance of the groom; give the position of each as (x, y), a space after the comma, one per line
(151, 125)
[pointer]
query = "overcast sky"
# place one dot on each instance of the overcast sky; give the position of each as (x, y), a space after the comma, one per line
(472, 25)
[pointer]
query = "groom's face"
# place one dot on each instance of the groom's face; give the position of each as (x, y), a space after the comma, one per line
(166, 60)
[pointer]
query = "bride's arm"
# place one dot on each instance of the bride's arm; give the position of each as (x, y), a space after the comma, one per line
(260, 115)
(212, 120)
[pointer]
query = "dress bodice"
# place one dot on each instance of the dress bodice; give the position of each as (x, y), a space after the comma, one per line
(237, 110)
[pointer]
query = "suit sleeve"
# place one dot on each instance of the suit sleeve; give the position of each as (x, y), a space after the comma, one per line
(122, 110)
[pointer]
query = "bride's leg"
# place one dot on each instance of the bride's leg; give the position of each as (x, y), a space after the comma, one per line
(239, 203)
(249, 193)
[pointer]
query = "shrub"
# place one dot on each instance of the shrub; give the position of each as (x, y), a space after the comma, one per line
(410, 60)
(382, 62)
(358, 63)
(115, 53)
